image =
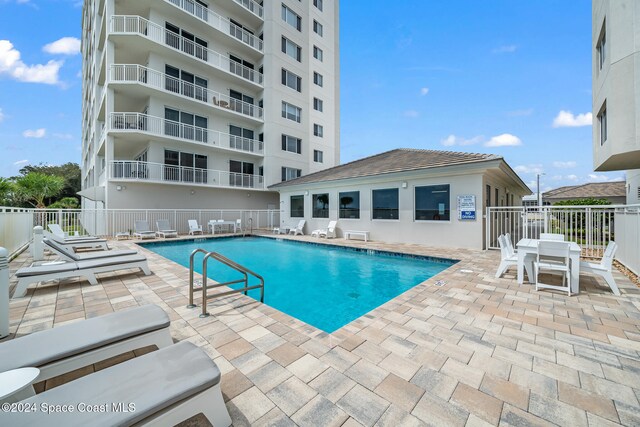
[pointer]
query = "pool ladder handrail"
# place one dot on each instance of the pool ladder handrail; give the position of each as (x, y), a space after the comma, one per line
(226, 261)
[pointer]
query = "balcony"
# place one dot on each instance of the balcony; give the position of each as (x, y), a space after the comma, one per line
(137, 25)
(220, 23)
(157, 126)
(129, 170)
(137, 74)
(251, 6)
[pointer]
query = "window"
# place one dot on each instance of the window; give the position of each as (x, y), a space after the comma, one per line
(241, 67)
(291, 18)
(289, 143)
(291, 112)
(317, 53)
(317, 104)
(488, 195)
(385, 203)
(432, 202)
(185, 167)
(318, 4)
(290, 173)
(317, 28)
(496, 199)
(241, 138)
(349, 205)
(317, 156)
(185, 125)
(185, 83)
(185, 41)
(320, 205)
(317, 78)
(602, 124)
(291, 49)
(241, 174)
(318, 130)
(601, 47)
(297, 207)
(291, 80)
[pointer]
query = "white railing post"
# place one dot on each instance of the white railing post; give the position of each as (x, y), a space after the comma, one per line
(4, 292)
(37, 247)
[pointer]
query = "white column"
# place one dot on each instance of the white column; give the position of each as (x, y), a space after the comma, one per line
(4, 292)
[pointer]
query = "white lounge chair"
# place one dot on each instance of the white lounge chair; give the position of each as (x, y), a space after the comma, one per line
(84, 243)
(604, 267)
(66, 348)
(553, 257)
(194, 227)
(58, 231)
(329, 232)
(239, 225)
(142, 230)
(67, 254)
(164, 229)
(164, 387)
(86, 268)
(299, 229)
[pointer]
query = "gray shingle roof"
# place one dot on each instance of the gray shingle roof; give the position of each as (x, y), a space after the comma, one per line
(398, 160)
(592, 190)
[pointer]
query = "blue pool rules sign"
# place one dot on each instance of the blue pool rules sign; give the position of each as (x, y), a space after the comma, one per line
(467, 207)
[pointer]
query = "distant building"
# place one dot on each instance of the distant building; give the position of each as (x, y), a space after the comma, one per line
(616, 98)
(615, 192)
(429, 197)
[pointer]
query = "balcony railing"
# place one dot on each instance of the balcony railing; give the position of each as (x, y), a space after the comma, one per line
(158, 172)
(133, 73)
(124, 24)
(220, 23)
(137, 122)
(252, 7)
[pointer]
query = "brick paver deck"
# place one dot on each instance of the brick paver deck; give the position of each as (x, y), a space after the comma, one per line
(475, 351)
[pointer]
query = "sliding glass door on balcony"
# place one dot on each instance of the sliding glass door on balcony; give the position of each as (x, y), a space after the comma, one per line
(241, 174)
(184, 167)
(245, 104)
(181, 124)
(185, 83)
(186, 42)
(241, 139)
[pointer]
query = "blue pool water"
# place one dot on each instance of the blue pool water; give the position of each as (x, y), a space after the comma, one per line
(324, 286)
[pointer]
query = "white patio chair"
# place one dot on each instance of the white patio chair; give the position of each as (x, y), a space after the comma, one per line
(508, 259)
(299, 228)
(553, 257)
(141, 230)
(194, 227)
(329, 232)
(164, 229)
(239, 225)
(552, 236)
(604, 267)
(509, 242)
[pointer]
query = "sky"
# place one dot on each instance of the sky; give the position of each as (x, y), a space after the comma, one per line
(506, 77)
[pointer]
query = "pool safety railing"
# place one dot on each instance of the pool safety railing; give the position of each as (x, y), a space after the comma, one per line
(204, 287)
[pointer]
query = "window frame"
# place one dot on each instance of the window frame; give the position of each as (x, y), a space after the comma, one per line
(318, 53)
(318, 79)
(284, 47)
(287, 12)
(603, 126)
(291, 80)
(373, 203)
(318, 28)
(440, 188)
(287, 140)
(601, 46)
(297, 211)
(324, 210)
(318, 4)
(285, 112)
(318, 156)
(285, 173)
(318, 104)
(318, 130)
(342, 212)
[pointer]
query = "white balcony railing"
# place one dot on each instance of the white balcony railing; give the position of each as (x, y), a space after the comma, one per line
(158, 172)
(137, 122)
(252, 7)
(133, 73)
(218, 22)
(124, 24)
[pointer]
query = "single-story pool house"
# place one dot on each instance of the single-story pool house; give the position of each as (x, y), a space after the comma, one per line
(429, 197)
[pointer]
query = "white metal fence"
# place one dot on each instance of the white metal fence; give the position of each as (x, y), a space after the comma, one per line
(16, 224)
(592, 227)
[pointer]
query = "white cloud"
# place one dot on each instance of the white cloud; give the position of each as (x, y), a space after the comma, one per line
(565, 165)
(21, 162)
(63, 46)
(505, 49)
(504, 140)
(597, 178)
(37, 133)
(566, 119)
(572, 177)
(424, 91)
(411, 113)
(520, 113)
(452, 140)
(534, 169)
(1, 115)
(12, 65)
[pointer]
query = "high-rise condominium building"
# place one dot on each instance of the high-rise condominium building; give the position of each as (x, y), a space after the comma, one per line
(204, 104)
(616, 90)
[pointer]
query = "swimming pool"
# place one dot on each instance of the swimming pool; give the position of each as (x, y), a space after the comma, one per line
(325, 286)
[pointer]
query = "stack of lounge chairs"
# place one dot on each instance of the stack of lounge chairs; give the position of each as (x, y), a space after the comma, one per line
(164, 387)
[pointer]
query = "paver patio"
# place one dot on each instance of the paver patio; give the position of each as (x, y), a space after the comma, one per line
(475, 351)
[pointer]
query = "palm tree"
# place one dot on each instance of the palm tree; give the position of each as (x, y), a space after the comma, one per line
(35, 187)
(6, 187)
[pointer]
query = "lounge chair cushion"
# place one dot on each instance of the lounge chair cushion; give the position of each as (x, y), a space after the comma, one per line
(152, 382)
(49, 268)
(91, 255)
(51, 345)
(103, 262)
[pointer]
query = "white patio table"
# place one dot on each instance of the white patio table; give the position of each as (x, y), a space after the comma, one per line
(530, 246)
(214, 224)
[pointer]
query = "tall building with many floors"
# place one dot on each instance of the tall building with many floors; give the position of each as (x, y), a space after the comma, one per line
(204, 104)
(616, 90)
